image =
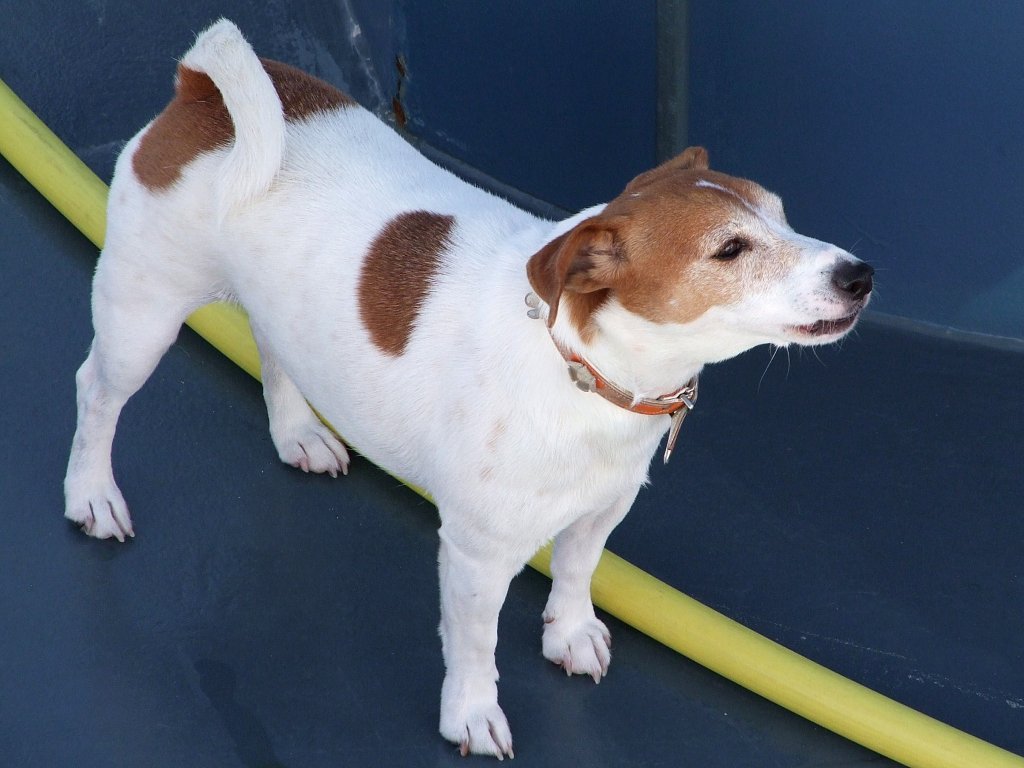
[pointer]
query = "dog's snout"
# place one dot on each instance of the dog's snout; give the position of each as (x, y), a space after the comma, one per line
(853, 279)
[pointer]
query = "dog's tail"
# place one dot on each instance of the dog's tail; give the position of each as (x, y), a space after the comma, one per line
(225, 56)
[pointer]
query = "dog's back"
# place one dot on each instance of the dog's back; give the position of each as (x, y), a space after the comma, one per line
(369, 234)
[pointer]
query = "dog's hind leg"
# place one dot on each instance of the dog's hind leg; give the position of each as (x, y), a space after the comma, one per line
(574, 637)
(139, 302)
(301, 439)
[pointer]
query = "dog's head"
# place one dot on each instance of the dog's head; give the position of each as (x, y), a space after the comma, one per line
(687, 246)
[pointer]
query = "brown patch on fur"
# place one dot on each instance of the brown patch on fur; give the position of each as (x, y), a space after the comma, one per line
(672, 277)
(651, 248)
(581, 308)
(396, 275)
(677, 225)
(301, 94)
(197, 121)
(690, 159)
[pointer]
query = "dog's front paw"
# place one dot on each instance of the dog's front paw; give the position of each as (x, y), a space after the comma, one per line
(582, 647)
(475, 722)
(313, 448)
(98, 510)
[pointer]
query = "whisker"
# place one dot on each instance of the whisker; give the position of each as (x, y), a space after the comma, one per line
(775, 351)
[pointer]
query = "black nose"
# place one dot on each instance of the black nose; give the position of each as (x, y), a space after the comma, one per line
(853, 278)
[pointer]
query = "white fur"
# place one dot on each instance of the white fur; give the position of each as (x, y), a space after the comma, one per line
(478, 410)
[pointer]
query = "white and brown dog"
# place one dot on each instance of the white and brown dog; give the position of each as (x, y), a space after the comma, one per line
(390, 294)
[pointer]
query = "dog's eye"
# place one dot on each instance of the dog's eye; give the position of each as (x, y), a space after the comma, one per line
(731, 249)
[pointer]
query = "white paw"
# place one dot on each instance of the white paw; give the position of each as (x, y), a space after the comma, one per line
(99, 511)
(580, 648)
(475, 723)
(312, 447)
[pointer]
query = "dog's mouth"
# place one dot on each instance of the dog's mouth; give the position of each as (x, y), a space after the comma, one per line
(826, 327)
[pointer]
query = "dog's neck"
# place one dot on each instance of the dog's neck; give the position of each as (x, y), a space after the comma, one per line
(642, 357)
(634, 353)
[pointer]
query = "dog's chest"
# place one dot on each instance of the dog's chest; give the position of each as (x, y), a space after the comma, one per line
(539, 468)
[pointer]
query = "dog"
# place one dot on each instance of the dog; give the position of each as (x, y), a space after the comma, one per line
(522, 371)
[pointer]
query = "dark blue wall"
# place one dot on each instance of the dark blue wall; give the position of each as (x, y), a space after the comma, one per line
(556, 99)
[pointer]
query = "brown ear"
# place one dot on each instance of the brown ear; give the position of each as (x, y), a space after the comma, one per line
(587, 258)
(690, 159)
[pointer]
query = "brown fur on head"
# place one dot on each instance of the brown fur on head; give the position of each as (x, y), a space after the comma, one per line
(679, 240)
(635, 248)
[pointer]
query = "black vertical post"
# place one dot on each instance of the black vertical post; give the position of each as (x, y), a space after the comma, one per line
(673, 76)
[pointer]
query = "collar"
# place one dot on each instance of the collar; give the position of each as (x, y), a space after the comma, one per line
(588, 378)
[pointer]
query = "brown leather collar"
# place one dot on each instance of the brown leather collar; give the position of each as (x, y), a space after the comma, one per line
(589, 379)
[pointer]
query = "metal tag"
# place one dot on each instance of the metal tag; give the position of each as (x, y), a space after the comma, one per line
(582, 377)
(673, 431)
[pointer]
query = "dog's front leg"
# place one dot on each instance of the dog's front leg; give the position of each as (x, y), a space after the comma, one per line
(474, 582)
(574, 637)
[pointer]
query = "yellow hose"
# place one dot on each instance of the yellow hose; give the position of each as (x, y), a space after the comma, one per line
(621, 589)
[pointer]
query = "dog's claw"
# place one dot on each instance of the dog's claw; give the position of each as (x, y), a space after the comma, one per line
(313, 449)
(583, 649)
(482, 731)
(99, 512)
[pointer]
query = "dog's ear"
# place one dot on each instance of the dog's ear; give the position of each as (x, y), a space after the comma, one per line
(589, 257)
(690, 159)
